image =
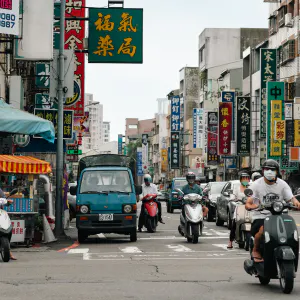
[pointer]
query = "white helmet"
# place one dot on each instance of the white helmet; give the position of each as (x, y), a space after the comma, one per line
(147, 178)
(255, 176)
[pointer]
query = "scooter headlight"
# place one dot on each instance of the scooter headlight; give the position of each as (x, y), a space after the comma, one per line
(278, 206)
(296, 236)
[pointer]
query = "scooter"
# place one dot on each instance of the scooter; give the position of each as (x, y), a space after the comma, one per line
(191, 217)
(5, 227)
(279, 246)
(151, 212)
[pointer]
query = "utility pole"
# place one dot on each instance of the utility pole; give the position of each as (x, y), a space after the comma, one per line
(60, 111)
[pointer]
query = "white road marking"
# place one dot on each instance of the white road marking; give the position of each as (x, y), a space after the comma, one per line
(223, 246)
(179, 248)
(78, 251)
(219, 233)
(183, 238)
(101, 236)
(206, 233)
(216, 254)
(165, 258)
(131, 250)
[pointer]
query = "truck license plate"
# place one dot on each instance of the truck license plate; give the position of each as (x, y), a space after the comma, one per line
(109, 217)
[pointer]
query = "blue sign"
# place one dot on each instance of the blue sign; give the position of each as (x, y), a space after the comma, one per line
(230, 97)
(175, 114)
(139, 163)
(230, 162)
(120, 144)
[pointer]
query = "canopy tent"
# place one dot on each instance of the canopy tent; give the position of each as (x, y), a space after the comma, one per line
(14, 120)
(23, 165)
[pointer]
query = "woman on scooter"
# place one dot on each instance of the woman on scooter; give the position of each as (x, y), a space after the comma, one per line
(245, 180)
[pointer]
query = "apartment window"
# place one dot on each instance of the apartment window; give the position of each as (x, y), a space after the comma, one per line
(272, 25)
(288, 51)
(291, 8)
(202, 54)
(290, 90)
(132, 126)
(281, 15)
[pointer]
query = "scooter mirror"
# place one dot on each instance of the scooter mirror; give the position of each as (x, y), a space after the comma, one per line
(13, 192)
(248, 192)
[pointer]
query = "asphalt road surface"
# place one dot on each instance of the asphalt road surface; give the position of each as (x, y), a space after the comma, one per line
(158, 266)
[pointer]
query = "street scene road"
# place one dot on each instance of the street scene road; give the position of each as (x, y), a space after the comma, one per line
(161, 265)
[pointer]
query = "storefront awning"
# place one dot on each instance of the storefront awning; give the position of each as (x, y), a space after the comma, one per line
(23, 165)
(14, 120)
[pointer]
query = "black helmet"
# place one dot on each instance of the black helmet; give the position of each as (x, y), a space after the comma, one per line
(255, 176)
(244, 174)
(271, 164)
(190, 177)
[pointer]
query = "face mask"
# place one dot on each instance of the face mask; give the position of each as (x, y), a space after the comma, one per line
(245, 183)
(270, 175)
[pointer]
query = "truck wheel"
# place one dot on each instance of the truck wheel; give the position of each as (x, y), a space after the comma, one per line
(133, 236)
(82, 236)
(5, 249)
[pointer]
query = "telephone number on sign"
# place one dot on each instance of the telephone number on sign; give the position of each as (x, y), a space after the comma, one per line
(7, 20)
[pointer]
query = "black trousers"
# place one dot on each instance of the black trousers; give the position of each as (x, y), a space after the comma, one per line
(142, 214)
(232, 231)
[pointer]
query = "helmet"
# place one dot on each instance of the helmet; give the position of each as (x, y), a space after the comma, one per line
(244, 174)
(147, 178)
(255, 176)
(190, 177)
(271, 164)
(198, 180)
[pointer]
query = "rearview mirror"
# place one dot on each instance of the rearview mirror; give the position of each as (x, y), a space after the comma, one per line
(73, 190)
(138, 189)
(13, 192)
(248, 192)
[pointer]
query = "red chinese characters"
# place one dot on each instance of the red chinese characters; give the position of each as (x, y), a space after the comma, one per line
(74, 35)
(225, 128)
(6, 4)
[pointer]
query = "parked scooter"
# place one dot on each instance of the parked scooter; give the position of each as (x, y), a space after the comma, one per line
(151, 212)
(191, 217)
(5, 227)
(279, 246)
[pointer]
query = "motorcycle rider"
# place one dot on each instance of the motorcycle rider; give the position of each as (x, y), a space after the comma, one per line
(269, 183)
(193, 188)
(149, 188)
(245, 180)
(255, 176)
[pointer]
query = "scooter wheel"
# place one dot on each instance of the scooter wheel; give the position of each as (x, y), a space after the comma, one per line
(5, 249)
(287, 277)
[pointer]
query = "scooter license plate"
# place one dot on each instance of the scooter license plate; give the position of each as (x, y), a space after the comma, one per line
(106, 217)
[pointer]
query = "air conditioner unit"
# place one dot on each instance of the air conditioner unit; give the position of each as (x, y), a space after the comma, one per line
(289, 21)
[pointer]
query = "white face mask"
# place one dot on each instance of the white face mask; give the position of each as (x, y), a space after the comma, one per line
(270, 175)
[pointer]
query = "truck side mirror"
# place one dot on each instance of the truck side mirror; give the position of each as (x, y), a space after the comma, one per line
(138, 189)
(73, 190)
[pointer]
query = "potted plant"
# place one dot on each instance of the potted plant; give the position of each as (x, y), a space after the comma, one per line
(38, 229)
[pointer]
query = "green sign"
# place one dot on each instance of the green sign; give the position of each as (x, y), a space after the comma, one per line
(43, 101)
(125, 150)
(42, 79)
(268, 64)
(275, 112)
(75, 152)
(115, 35)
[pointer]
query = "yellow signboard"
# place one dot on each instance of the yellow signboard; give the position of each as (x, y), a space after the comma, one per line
(297, 133)
(276, 115)
(164, 160)
(279, 130)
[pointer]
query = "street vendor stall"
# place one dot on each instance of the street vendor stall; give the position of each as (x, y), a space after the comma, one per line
(25, 207)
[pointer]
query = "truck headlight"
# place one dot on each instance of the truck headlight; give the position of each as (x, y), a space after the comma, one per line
(127, 209)
(84, 209)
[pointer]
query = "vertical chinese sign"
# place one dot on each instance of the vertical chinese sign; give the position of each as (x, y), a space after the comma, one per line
(225, 128)
(120, 144)
(175, 131)
(139, 161)
(164, 160)
(198, 128)
(115, 35)
(212, 138)
(229, 97)
(275, 113)
(268, 65)
(243, 126)
(74, 35)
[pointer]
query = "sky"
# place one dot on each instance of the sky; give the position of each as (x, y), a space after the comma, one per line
(171, 31)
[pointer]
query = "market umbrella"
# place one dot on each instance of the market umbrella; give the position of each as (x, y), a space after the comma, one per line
(13, 120)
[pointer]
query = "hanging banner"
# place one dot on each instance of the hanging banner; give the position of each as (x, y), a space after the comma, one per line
(243, 125)
(164, 160)
(275, 112)
(120, 144)
(205, 136)
(229, 97)
(268, 65)
(212, 138)
(225, 128)
(289, 132)
(297, 133)
(175, 150)
(198, 120)
(139, 161)
(145, 152)
(175, 114)
(82, 124)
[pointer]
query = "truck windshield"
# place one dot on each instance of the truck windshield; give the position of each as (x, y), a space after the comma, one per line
(94, 182)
